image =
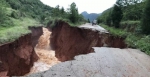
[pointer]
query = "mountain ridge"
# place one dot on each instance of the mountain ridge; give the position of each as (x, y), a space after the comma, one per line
(90, 16)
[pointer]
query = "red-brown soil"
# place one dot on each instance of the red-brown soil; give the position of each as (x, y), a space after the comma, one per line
(68, 41)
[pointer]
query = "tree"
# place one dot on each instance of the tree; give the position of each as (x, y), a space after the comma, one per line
(62, 10)
(127, 2)
(105, 17)
(81, 18)
(56, 11)
(88, 20)
(73, 11)
(145, 23)
(116, 15)
(2, 12)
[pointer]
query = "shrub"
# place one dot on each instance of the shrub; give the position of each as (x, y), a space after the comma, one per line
(15, 15)
(145, 23)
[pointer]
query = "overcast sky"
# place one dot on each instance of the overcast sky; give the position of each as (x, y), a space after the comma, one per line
(91, 6)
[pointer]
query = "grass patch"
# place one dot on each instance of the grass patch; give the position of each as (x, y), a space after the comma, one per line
(141, 42)
(133, 40)
(51, 22)
(129, 22)
(131, 26)
(19, 28)
(114, 31)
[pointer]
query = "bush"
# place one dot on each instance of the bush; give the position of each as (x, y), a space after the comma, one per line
(15, 15)
(145, 23)
(133, 40)
(7, 23)
(116, 16)
(2, 12)
(115, 32)
(131, 26)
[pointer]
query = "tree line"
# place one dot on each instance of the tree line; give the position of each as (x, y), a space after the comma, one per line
(128, 10)
(37, 10)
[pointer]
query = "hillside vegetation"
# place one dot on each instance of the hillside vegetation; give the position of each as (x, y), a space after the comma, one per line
(129, 19)
(17, 15)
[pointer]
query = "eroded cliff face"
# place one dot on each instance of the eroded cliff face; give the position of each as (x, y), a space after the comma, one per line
(36, 33)
(71, 41)
(17, 58)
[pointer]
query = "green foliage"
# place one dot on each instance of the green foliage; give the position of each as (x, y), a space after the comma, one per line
(141, 42)
(133, 40)
(81, 19)
(31, 8)
(15, 15)
(123, 3)
(2, 12)
(4, 19)
(52, 22)
(105, 17)
(131, 26)
(144, 44)
(115, 32)
(133, 12)
(9, 34)
(116, 16)
(73, 11)
(145, 23)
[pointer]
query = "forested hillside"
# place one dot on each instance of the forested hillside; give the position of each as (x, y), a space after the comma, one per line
(130, 20)
(17, 15)
(130, 12)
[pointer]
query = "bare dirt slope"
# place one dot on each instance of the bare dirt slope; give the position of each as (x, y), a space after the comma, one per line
(68, 42)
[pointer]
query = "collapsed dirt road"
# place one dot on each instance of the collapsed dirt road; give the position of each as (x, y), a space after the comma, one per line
(103, 62)
(93, 27)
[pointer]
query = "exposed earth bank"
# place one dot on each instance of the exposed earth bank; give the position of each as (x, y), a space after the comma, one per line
(17, 58)
(46, 56)
(68, 41)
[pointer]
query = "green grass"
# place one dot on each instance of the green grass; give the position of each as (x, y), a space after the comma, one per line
(54, 20)
(133, 40)
(115, 32)
(14, 31)
(130, 22)
(131, 26)
(9, 11)
(141, 42)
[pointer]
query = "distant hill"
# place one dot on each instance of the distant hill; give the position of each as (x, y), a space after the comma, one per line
(90, 16)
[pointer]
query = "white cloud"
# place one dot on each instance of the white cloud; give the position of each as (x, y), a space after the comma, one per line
(91, 6)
